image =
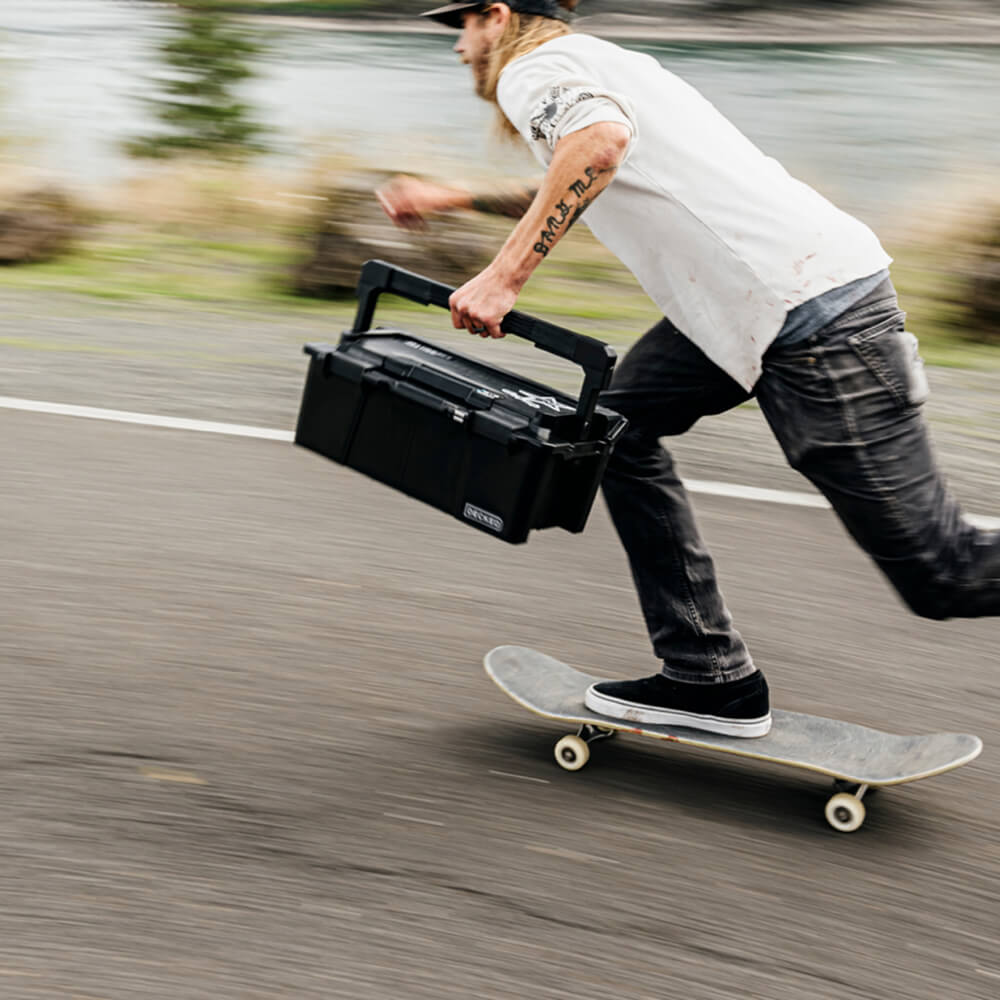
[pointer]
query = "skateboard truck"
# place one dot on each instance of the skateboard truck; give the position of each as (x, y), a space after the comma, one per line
(573, 750)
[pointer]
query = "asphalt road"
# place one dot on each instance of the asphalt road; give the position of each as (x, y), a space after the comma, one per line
(245, 365)
(247, 749)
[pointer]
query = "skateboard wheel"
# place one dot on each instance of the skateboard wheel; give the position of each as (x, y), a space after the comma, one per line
(845, 812)
(572, 753)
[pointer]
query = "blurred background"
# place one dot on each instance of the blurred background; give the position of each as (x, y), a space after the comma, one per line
(246, 747)
(199, 124)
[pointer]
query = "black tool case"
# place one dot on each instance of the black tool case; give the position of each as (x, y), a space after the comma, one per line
(498, 451)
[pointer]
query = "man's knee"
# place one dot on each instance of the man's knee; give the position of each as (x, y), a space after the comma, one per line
(641, 477)
(638, 452)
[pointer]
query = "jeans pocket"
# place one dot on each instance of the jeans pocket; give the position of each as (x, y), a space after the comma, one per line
(918, 389)
(892, 355)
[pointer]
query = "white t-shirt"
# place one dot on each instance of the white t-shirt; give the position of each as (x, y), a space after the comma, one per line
(719, 235)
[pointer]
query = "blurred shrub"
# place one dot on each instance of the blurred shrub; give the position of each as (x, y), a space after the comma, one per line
(978, 289)
(37, 225)
(351, 228)
(206, 58)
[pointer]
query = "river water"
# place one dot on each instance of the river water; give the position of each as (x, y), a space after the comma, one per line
(878, 128)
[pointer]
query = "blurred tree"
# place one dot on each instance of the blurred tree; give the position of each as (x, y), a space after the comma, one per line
(206, 58)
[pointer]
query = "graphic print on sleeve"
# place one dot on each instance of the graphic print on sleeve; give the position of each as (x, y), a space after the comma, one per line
(552, 110)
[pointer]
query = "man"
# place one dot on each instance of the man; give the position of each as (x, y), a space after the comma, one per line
(768, 290)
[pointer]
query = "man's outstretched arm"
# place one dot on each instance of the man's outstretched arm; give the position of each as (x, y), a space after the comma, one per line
(409, 200)
(583, 165)
(511, 200)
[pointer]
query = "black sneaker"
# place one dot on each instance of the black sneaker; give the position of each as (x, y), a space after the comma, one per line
(735, 708)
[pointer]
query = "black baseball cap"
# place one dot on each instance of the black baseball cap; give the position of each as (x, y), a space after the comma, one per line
(451, 14)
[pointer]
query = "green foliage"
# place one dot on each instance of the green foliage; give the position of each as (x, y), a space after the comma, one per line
(206, 59)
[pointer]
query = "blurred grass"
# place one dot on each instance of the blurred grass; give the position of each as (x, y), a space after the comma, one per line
(134, 264)
(229, 240)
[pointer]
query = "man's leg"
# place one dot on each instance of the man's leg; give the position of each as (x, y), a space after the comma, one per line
(663, 386)
(846, 408)
(689, 625)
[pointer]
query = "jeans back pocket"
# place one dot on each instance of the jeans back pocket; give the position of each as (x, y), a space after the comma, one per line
(892, 355)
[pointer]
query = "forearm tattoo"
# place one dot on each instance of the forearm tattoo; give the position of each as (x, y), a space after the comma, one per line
(511, 202)
(568, 211)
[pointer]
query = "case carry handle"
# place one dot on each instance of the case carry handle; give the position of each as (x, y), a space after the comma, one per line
(596, 358)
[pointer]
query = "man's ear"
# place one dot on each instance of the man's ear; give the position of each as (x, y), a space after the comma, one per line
(499, 15)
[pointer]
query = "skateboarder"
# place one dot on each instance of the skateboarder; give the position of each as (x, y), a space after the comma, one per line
(767, 289)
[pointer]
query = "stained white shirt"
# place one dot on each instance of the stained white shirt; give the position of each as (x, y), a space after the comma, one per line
(721, 236)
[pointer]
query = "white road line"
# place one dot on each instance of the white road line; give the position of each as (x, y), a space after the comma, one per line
(520, 777)
(791, 499)
(738, 492)
(735, 491)
(146, 419)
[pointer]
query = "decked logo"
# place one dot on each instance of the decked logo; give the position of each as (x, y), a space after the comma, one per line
(538, 402)
(473, 513)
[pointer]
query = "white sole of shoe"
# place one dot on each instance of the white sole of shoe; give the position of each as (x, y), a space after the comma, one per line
(627, 711)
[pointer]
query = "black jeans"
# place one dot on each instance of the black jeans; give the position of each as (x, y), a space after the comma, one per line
(845, 406)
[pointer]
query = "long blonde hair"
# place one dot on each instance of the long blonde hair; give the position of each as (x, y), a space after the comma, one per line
(524, 33)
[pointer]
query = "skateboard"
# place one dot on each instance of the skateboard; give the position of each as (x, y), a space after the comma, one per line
(857, 758)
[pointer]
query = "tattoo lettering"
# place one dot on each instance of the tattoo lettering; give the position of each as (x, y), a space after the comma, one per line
(580, 187)
(566, 215)
(552, 226)
(580, 209)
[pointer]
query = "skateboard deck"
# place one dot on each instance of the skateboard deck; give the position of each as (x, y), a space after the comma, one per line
(851, 754)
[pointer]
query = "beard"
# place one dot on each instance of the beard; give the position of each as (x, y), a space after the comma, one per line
(480, 67)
